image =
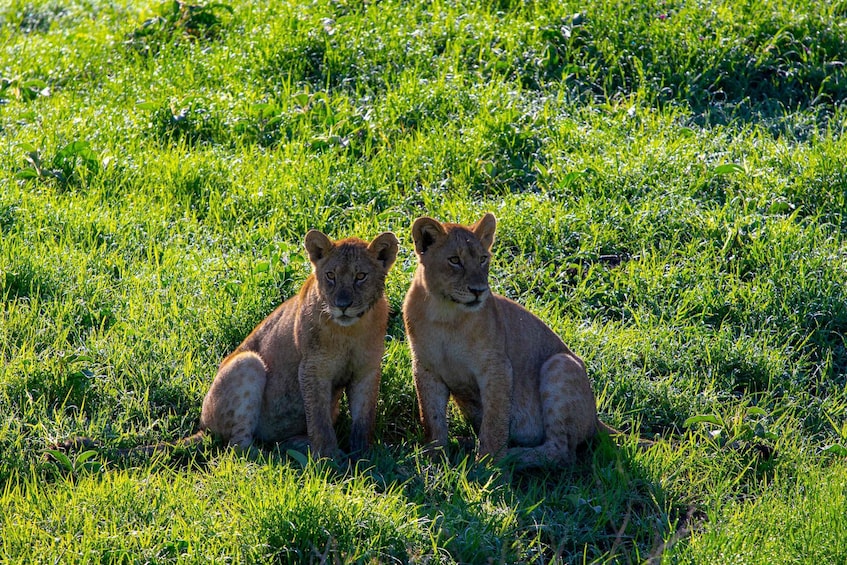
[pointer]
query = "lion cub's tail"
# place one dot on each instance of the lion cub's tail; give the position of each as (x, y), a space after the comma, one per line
(86, 443)
(609, 430)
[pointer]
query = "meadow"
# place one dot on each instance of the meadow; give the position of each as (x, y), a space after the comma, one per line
(670, 180)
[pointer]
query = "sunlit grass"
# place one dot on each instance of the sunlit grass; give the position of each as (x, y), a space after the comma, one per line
(670, 181)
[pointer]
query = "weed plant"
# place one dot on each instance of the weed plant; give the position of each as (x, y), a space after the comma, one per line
(671, 183)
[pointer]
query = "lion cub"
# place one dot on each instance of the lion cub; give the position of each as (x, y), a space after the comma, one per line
(286, 379)
(525, 393)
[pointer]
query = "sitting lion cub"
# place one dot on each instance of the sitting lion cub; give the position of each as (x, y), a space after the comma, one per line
(525, 393)
(286, 379)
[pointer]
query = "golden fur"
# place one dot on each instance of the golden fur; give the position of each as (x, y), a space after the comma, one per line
(525, 393)
(286, 379)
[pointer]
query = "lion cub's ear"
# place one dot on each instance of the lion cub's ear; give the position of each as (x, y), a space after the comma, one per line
(317, 245)
(425, 232)
(484, 230)
(384, 248)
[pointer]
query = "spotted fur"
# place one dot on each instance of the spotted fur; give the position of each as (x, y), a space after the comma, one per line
(526, 394)
(286, 379)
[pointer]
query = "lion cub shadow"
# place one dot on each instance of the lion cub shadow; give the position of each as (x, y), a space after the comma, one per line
(197, 452)
(609, 495)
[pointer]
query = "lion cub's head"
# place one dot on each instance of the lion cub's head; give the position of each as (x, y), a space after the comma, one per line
(454, 259)
(350, 273)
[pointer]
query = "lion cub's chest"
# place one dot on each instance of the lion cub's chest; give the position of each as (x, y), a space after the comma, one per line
(341, 352)
(454, 357)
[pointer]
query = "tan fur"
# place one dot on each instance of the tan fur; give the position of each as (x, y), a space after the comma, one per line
(525, 393)
(286, 379)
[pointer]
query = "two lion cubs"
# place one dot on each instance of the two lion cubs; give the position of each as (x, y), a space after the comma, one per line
(525, 393)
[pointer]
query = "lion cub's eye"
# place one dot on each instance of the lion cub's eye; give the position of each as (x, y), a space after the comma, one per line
(330, 276)
(483, 259)
(454, 260)
(361, 276)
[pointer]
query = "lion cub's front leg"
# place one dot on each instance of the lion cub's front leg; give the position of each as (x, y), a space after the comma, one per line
(318, 402)
(321, 396)
(495, 387)
(362, 395)
(433, 396)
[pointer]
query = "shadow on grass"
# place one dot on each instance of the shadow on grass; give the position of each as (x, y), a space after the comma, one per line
(788, 63)
(400, 505)
(606, 507)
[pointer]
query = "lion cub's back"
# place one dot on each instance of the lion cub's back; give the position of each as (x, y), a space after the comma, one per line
(529, 341)
(274, 339)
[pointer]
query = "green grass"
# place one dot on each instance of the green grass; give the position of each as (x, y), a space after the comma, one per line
(670, 180)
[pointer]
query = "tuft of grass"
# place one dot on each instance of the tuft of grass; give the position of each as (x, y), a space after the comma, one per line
(799, 518)
(319, 518)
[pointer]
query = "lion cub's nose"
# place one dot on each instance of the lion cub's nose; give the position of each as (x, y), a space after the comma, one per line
(343, 300)
(477, 291)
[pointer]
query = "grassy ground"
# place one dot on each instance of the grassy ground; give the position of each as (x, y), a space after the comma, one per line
(671, 183)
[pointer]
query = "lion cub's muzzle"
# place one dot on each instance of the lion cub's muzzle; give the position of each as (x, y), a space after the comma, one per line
(473, 298)
(342, 310)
